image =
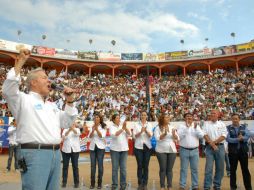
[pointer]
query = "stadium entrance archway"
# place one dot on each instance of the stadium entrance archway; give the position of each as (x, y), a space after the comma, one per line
(6, 59)
(53, 65)
(80, 68)
(223, 64)
(125, 70)
(248, 61)
(197, 68)
(171, 70)
(142, 71)
(102, 69)
(33, 63)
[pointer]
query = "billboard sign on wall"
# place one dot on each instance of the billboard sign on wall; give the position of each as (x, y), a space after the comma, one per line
(132, 56)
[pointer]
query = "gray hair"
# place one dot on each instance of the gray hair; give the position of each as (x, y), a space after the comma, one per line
(31, 76)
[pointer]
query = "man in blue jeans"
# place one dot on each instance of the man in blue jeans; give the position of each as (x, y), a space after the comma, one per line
(39, 125)
(215, 133)
(189, 134)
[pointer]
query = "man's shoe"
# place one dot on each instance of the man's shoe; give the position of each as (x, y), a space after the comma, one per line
(64, 185)
(92, 186)
(76, 185)
(99, 186)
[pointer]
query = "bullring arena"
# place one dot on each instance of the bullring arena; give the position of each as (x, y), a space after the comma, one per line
(237, 61)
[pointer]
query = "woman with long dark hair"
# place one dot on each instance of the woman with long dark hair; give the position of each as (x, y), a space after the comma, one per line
(97, 149)
(166, 136)
(142, 132)
(119, 151)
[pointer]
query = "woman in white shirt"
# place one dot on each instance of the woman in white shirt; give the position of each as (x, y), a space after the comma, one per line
(97, 149)
(142, 132)
(119, 151)
(70, 150)
(166, 136)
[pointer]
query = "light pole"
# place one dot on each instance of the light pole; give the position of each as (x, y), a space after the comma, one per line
(148, 91)
(43, 38)
(182, 42)
(90, 42)
(68, 42)
(113, 42)
(206, 42)
(19, 33)
(233, 36)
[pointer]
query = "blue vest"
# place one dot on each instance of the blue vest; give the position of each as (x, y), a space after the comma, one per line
(237, 147)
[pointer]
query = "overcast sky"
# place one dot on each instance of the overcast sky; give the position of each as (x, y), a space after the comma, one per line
(135, 25)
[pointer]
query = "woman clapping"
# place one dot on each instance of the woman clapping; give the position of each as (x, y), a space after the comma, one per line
(166, 136)
(97, 149)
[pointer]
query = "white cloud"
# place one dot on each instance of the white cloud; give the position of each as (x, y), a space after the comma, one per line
(100, 20)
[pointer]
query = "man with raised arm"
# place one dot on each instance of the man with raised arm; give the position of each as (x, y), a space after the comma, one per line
(39, 124)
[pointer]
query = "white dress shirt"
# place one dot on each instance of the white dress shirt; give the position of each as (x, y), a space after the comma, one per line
(12, 135)
(167, 144)
(189, 136)
(96, 140)
(215, 130)
(118, 143)
(38, 121)
(71, 142)
(143, 138)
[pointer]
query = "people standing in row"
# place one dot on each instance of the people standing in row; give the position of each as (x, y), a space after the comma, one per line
(237, 139)
(71, 150)
(142, 132)
(119, 151)
(215, 133)
(166, 136)
(189, 134)
(13, 146)
(97, 147)
(39, 124)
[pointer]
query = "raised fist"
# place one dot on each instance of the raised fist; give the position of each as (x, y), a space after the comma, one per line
(23, 56)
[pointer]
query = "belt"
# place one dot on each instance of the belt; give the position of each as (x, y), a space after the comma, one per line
(40, 146)
(217, 144)
(189, 148)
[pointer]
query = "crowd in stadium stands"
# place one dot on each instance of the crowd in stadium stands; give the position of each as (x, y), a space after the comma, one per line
(126, 94)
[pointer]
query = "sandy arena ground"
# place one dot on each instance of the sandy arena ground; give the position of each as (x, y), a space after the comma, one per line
(14, 177)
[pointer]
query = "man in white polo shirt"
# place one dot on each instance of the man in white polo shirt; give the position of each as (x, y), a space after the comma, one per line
(215, 133)
(38, 126)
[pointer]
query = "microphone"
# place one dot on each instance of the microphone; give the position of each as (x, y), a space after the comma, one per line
(54, 86)
(61, 88)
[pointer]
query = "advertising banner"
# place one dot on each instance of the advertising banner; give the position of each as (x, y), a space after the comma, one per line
(102, 56)
(230, 49)
(161, 56)
(176, 55)
(224, 50)
(218, 51)
(200, 53)
(4, 124)
(13, 46)
(91, 55)
(132, 56)
(149, 57)
(43, 50)
(65, 53)
(245, 47)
